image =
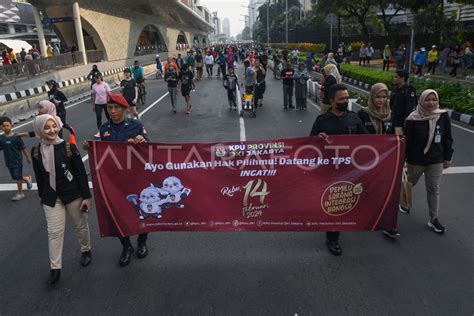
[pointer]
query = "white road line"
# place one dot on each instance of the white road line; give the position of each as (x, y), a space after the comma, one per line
(314, 104)
(86, 157)
(69, 106)
(459, 170)
(463, 128)
(243, 137)
(11, 187)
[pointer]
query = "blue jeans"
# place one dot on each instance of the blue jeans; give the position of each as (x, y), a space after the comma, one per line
(173, 95)
(16, 173)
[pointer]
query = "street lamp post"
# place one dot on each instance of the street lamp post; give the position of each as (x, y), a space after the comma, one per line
(268, 23)
(286, 23)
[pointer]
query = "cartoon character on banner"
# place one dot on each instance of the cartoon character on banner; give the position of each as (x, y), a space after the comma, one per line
(153, 199)
(149, 203)
(176, 192)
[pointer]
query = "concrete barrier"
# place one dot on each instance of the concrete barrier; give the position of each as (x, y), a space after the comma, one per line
(26, 108)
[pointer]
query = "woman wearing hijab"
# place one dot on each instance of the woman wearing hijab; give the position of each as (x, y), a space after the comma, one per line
(46, 107)
(331, 77)
(301, 88)
(429, 150)
(377, 117)
(330, 60)
(63, 188)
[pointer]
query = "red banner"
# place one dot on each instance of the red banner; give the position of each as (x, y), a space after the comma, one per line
(343, 183)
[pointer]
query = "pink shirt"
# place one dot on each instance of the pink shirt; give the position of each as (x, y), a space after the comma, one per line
(100, 91)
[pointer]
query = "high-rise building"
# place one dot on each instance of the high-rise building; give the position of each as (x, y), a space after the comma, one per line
(226, 27)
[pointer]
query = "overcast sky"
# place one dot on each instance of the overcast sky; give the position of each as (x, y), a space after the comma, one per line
(230, 9)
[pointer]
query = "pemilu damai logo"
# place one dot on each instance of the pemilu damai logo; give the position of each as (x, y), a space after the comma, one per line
(341, 197)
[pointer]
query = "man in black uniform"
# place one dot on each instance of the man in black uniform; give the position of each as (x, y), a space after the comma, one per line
(403, 101)
(337, 121)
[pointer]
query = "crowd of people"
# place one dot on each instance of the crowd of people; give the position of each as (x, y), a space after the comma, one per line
(62, 179)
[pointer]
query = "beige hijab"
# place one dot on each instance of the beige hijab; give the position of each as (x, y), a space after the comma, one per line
(378, 115)
(332, 70)
(47, 146)
(423, 114)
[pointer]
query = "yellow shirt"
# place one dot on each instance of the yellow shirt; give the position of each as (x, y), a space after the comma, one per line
(432, 56)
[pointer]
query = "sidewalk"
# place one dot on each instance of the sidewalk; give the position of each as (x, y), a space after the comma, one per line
(378, 63)
(76, 72)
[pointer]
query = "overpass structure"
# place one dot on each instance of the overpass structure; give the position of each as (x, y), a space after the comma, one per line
(120, 28)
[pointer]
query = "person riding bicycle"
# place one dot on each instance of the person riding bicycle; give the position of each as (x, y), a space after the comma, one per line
(138, 74)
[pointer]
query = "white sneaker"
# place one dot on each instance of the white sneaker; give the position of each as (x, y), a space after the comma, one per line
(18, 197)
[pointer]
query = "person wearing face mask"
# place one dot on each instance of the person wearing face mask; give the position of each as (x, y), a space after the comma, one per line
(429, 150)
(63, 188)
(377, 119)
(337, 121)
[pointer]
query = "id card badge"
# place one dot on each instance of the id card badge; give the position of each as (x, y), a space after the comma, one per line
(69, 175)
(437, 138)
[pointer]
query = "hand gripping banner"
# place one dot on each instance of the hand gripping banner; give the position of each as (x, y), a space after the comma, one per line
(342, 183)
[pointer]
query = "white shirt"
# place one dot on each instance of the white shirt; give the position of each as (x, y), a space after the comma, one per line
(209, 60)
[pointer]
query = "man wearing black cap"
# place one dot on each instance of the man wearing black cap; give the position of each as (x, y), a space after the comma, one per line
(120, 128)
(58, 98)
(337, 121)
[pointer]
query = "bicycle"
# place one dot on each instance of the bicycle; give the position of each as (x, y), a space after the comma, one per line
(141, 92)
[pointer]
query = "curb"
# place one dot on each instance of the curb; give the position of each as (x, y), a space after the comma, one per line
(14, 96)
(458, 116)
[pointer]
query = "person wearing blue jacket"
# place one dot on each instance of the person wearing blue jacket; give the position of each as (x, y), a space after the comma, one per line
(420, 60)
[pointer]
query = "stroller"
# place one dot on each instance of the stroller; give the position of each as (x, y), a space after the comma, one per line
(248, 104)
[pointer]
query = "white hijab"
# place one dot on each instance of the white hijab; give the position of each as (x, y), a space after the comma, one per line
(47, 146)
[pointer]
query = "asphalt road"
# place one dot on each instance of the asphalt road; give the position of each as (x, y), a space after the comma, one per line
(421, 273)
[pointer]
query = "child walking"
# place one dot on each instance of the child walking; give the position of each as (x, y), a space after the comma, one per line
(13, 147)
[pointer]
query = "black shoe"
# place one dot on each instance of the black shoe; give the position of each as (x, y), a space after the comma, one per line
(285, 108)
(292, 107)
(404, 210)
(125, 256)
(86, 258)
(54, 276)
(391, 233)
(334, 247)
(142, 250)
(437, 227)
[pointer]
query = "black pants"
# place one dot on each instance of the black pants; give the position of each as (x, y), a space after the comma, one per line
(386, 63)
(98, 113)
(231, 94)
(431, 67)
(419, 70)
(126, 240)
(454, 71)
(209, 69)
(61, 114)
(332, 236)
(223, 69)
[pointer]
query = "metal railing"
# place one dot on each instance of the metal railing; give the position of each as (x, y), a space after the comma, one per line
(36, 67)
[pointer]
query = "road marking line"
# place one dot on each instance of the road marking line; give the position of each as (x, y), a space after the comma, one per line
(86, 157)
(314, 104)
(459, 170)
(67, 107)
(463, 128)
(10, 187)
(243, 138)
